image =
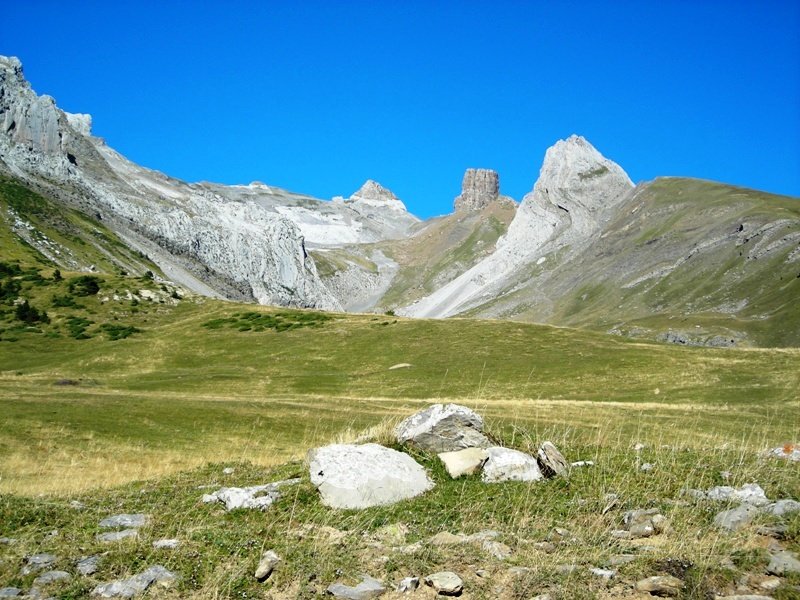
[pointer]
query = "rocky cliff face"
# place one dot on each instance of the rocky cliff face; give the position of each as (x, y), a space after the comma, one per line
(478, 188)
(576, 192)
(209, 241)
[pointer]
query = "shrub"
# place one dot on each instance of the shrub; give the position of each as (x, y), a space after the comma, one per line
(28, 314)
(85, 285)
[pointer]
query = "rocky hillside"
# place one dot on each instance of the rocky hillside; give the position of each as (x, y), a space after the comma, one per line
(681, 260)
(240, 242)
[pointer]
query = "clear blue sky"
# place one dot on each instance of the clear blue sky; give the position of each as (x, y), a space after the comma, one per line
(317, 97)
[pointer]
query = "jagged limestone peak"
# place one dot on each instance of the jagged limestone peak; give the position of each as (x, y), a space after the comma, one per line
(478, 188)
(374, 194)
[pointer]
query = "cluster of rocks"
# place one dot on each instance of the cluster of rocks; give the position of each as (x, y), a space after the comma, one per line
(750, 500)
(364, 475)
(257, 496)
(126, 526)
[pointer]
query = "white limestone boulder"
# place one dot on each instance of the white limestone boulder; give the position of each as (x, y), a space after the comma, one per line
(463, 462)
(360, 476)
(505, 464)
(443, 428)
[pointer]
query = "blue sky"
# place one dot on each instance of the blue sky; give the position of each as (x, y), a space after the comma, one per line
(317, 97)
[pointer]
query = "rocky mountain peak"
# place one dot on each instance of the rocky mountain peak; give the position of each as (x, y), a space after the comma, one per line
(374, 194)
(478, 188)
(573, 167)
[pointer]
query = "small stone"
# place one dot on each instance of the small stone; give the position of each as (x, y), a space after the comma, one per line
(408, 584)
(774, 531)
(125, 520)
(482, 573)
(638, 447)
(621, 534)
(167, 544)
(744, 597)
(735, 518)
(782, 508)
(117, 536)
(582, 463)
(519, 571)
(783, 563)
(463, 462)
(551, 461)
(51, 577)
(660, 585)
(368, 588)
(269, 561)
(559, 534)
(88, 565)
(647, 467)
(38, 562)
(603, 573)
(445, 583)
(617, 560)
(7, 541)
(769, 584)
(228, 471)
(505, 464)
(749, 493)
(10, 592)
(77, 505)
(567, 569)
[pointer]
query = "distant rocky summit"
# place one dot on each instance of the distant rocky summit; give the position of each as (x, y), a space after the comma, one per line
(479, 188)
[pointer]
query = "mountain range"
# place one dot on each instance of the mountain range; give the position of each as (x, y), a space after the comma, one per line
(681, 260)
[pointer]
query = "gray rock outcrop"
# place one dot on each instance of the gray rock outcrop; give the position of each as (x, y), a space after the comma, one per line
(551, 461)
(479, 188)
(368, 588)
(213, 239)
(133, 586)
(443, 428)
(360, 476)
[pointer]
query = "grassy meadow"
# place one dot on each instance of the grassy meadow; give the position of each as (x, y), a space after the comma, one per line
(121, 394)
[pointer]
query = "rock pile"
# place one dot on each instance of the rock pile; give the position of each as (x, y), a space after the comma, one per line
(360, 476)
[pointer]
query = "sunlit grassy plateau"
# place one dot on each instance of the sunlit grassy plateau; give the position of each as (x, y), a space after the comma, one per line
(128, 401)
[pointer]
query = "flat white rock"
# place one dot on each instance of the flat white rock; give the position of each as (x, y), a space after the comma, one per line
(505, 464)
(360, 476)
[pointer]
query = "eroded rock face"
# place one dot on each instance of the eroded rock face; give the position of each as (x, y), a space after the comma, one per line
(360, 476)
(443, 428)
(478, 188)
(205, 237)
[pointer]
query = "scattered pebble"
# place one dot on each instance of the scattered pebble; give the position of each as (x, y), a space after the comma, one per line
(269, 560)
(368, 588)
(167, 544)
(446, 583)
(88, 565)
(124, 520)
(661, 585)
(51, 577)
(408, 584)
(117, 536)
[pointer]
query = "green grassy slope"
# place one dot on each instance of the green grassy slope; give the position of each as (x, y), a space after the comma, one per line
(699, 258)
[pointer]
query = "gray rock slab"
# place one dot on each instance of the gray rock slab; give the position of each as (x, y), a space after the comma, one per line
(7, 541)
(88, 565)
(10, 592)
(551, 461)
(463, 462)
(360, 476)
(269, 560)
(443, 428)
(118, 536)
(505, 464)
(736, 518)
(125, 521)
(257, 497)
(368, 588)
(166, 544)
(782, 508)
(660, 585)
(750, 493)
(51, 577)
(132, 586)
(782, 563)
(38, 562)
(446, 583)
